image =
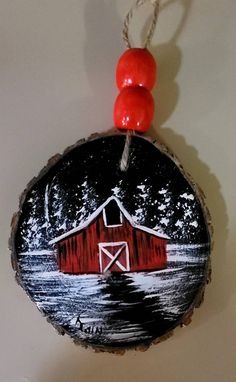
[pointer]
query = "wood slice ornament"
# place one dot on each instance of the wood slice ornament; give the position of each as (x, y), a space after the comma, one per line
(112, 239)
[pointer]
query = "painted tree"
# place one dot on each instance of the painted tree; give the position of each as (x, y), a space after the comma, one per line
(188, 223)
(70, 205)
(140, 196)
(58, 210)
(164, 209)
(33, 227)
(90, 202)
(178, 215)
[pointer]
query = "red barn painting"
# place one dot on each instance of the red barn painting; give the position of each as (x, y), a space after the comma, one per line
(110, 241)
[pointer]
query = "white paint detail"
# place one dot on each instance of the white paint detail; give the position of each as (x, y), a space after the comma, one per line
(195, 224)
(164, 221)
(162, 207)
(63, 226)
(37, 253)
(180, 247)
(98, 211)
(179, 223)
(139, 211)
(187, 196)
(143, 195)
(116, 190)
(188, 214)
(46, 204)
(142, 187)
(162, 191)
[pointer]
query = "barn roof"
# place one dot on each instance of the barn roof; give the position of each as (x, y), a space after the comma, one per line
(98, 211)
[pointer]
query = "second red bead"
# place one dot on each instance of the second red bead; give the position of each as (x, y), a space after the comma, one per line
(134, 109)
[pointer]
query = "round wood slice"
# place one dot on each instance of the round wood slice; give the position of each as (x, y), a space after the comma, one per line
(115, 259)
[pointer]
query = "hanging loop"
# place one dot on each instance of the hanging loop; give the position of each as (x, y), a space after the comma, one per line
(124, 162)
(137, 4)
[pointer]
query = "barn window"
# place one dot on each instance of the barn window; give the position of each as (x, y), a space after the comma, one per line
(111, 215)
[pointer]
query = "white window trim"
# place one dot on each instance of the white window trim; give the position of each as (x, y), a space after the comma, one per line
(112, 225)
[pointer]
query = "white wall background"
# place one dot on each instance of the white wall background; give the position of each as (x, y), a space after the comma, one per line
(57, 71)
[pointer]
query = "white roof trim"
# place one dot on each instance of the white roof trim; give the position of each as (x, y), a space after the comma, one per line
(98, 211)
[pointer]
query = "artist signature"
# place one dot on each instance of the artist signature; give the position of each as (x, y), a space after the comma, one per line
(88, 329)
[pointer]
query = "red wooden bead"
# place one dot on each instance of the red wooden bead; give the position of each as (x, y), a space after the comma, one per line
(134, 109)
(136, 67)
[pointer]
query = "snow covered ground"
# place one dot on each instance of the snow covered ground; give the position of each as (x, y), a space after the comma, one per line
(116, 309)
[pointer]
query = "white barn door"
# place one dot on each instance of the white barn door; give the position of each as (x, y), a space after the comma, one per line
(114, 257)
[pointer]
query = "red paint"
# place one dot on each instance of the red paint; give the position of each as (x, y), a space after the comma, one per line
(79, 253)
(134, 109)
(136, 67)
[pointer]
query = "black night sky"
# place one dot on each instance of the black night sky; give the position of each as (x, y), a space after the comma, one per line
(153, 191)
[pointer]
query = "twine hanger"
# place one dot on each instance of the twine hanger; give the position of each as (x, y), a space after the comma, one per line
(125, 34)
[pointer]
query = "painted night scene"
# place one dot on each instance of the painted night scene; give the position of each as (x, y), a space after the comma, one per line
(113, 258)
